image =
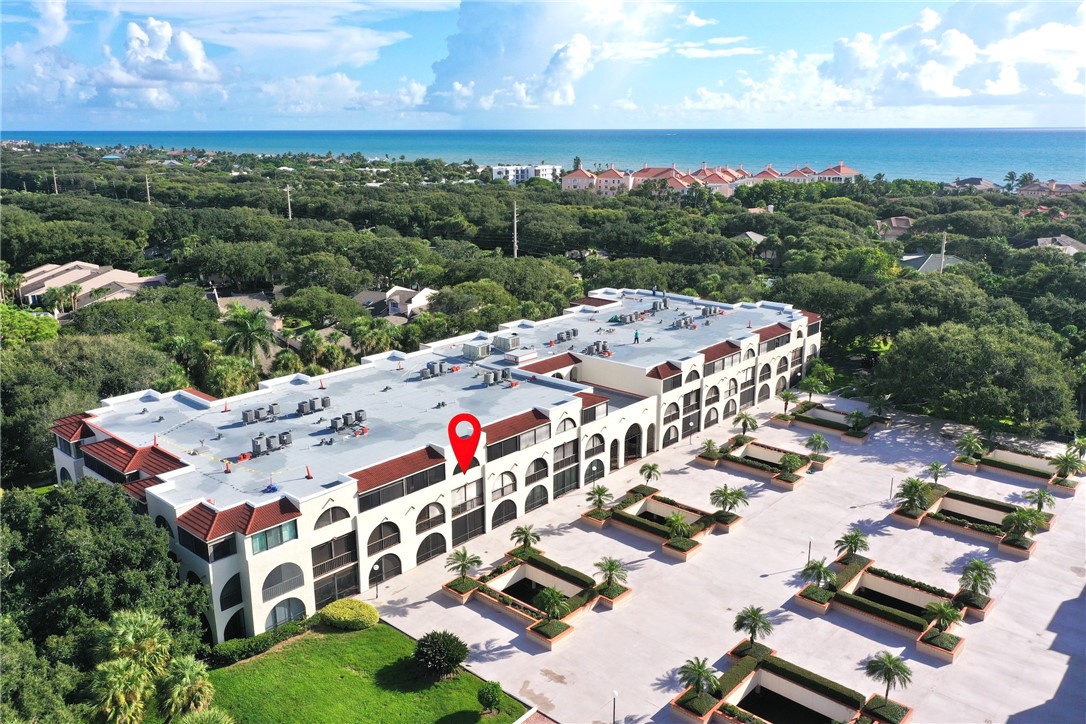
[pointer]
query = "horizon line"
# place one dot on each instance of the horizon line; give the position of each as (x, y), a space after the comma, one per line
(530, 130)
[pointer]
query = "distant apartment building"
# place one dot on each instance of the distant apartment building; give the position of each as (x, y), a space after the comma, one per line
(973, 183)
(89, 282)
(1063, 242)
(519, 174)
(1051, 188)
(722, 180)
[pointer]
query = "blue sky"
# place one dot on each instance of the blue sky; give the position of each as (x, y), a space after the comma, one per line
(338, 64)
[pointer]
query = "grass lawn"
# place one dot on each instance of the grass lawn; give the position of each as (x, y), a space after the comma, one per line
(357, 676)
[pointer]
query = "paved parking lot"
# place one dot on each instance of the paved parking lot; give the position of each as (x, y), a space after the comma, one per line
(1025, 663)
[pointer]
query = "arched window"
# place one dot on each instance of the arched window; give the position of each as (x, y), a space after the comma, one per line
(291, 609)
(594, 472)
(712, 417)
(332, 515)
(733, 387)
(388, 566)
(505, 512)
(284, 577)
(431, 516)
(799, 333)
(235, 627)
(749, 354)
(782, 382)
(650, 436)
(566, 424)
(383, 536)
(537, 497)
(782, 366)
(596, 445)
(671, 436)
(230, 595)
(671, 413)
(692, 376)
(65, 476)
(432, 545)
(765, 373)
(763, 394)
(814, 351)
(473, 464)
(163, 523)
(712, 396)
(729, 409)
(506, 485)
(537, 471)
(557, 376)
(631, 450)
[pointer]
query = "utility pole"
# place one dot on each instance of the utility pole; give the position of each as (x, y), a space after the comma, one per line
(514, 229)
(942, 254)
(56, 189)
(290, 214)
(147, 184)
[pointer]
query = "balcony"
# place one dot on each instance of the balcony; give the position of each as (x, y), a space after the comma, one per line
(467, 505)
(565, 463)
(691, 409)
(273, 592)
(339, 561)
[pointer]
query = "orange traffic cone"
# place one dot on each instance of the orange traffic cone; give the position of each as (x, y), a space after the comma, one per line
(308, 475)
(227, 467)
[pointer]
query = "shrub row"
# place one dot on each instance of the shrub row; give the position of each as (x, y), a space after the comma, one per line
(349, 614)
(942, 640)
(1020, 451)
(887, 711)
(737, 441)
(739, 715)
(726, 518)
(585, 597)
(734, 676)
(788, 477)
(564, 572)
(682, 544)
(613, 591)
(783, 417)
(599, 513)
(676, 504)
(511, 602)
(831, 424)
(973, 600)
(1016, 468)
(755, 650)
(986, 502)
(852, 565)
(750, 463)
(1018, 541)
(701, 704)
(643, 490)
(503, 568)
(819, 457)
(550, 629)
(805, 406)
(962, 522)
(645, 525)
(626, 501)
(893, 615)
(817, 593)
(820, 684)
(1065, 483)
(967, 460)
(463, 585)
(881, 573)
(856, 433)
(235, 650)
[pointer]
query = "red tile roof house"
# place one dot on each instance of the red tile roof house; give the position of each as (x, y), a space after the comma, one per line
(579, 180)
(839, 174)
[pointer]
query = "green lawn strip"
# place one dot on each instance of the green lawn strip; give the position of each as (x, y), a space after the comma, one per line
(360, 676)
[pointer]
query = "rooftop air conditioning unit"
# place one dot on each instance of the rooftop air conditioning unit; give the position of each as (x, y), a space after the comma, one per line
(303, 407)
(424, 373)
(326, 402)
(285, 438)
(260, 413)
(273, 409)
(476, 350)
(337, 424)
(506, 342)
(272, 442)
(258, 445)
(248, 416)
(348, 418)
(360, 415)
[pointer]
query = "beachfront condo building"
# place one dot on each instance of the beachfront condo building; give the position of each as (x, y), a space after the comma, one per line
(722, 179)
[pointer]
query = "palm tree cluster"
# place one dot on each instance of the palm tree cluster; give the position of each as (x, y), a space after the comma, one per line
(135, 661)
(524, 537)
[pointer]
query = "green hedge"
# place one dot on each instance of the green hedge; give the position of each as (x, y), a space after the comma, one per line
(830, 424)
(1035, 472)
(739, 715)
(643, 490)
(1020, 451)
(751, 463)
(503, 568)
(852, 565)
(817, 594)
(887, 711)
(585, 597)
(893, 615)
(856, 433)
(726, 518)
(349, 614)
(963, 523)
(755, 650)
(550, 629)
(783, 417)
(1066, 483)
(935, 493)
(942, 640)
(235, 650)
(565, 573)
(966, 459)
(973, 600)
(626, 501)
(1018, 541)
(738, 441)
(510, 602)
(819, 457)
(701, 704)
(805, 406)
(910, 582)
(985, 502)
(788, 477)
(463, 585)
(735, 675)
(599, 513)
(613, 591)
(645, 525)
(682, 544)
(813, 681)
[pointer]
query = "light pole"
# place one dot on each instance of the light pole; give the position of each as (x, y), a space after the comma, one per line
(891, 487)
(614, 707)
(810, 543)
(377, 582)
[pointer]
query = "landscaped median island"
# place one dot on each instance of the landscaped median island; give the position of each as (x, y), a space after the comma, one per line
(851, 426)
(781, 467)
(650, 515)
(1029, 466)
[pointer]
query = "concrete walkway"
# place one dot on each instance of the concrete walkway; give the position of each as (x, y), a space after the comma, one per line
(1025, 663)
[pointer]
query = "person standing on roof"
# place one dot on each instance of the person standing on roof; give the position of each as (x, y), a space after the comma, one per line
(637, 337)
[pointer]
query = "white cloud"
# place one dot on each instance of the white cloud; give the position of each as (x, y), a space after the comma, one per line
(727, 40)
(311, 94)
(52, 25)
(631, 51)
(411, 95)
(568, 65)
(1007, 84)
(693, 21)
(626, 103)
(716, 52)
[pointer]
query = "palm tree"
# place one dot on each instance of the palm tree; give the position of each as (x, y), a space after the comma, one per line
(1041, 498)
(978, 576)
(461, 562)
(812, 386)
(753, 622)
(120, 691)
(650, 472)
(888, 669)
(1010, 180)
(728, 499)
(913, 494)
(851, 543)
(1022, 522)
(138, 635)
(211, 715)
(787, 397)
(1068, 464)
(696, 674)
(248, 331)
(710, 450)
(856, 419)
(1026, 179)
(818, 573)
(936, 469)
(879, 405)
(71, 293)
(746, 421)
(1078, 446)
(310, 345)
(185, 688)
(944, 614)
(970, 445)
(613, 571)
(598, 496)
(551, 602)
(524, 537)
(817, 444)
(370, 336)
(677, 527)
(821, 370)
(286, 362)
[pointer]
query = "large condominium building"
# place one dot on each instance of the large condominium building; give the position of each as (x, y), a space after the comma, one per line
(722, 179)
(519, 174)
(302, 492)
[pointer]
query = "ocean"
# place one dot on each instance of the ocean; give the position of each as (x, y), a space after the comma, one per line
(930, 154)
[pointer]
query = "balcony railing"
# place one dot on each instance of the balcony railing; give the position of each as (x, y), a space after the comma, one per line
(688, 409)
(272, 592)
(467, 505)
(565, 463)
(338, 562)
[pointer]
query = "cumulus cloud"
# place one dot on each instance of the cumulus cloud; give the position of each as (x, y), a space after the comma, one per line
(568, 65)
(715, 52)
(693, 21)
(625, 103)
(52, 25)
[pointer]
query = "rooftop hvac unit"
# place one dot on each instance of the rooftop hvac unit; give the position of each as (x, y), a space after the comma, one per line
(656, 306)
(272, 442)
(507, 342)
(506, 373)
(424, 373)
(488, 379)
(267, 442)
(258, 445)
(261, 413)
(315, 404)
(561, 336)
(248, 416)
(476, 350)
(326, 402)
(337, 423)
(273, 409)
(285, 438)
(360, 415)
(573, 333)
(441, 368)
(604, 346)
(348, 418)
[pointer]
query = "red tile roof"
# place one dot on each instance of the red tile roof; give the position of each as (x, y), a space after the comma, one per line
(551, 364)
(663, 371)
(154, 461)
(114, 453)
(271, 515)
(839, 170)
(138, 489)
(720, 351)
(594, 301)
(772, 332)
(209, 524)
(119, 455)
(796, 173)
(72, 427)
(590, 400)
(812, 317)
(579, 173)
(514, 425)
(202, 395)
(397, 468)
(612, 173)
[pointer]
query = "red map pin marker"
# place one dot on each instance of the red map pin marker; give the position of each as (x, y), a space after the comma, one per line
(464, 447)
